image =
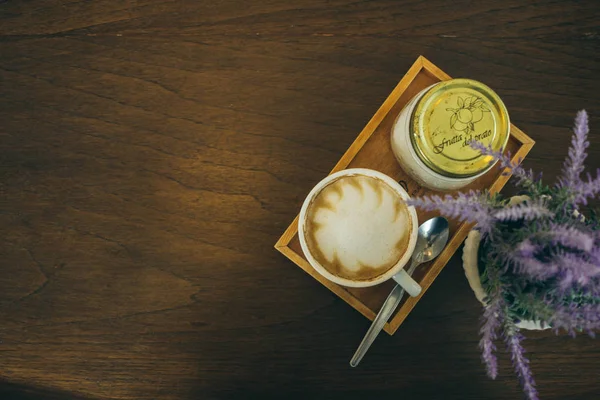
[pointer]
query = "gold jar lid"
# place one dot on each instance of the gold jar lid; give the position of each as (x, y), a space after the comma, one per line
(448, 117)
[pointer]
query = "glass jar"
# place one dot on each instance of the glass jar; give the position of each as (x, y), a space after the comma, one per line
(431, 135)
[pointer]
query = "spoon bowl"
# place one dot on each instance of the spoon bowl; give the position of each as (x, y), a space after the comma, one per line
(433, 237)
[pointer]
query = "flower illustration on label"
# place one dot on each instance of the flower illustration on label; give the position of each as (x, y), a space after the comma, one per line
(470, 111)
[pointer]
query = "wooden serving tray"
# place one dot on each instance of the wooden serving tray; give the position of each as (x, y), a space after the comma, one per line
(372, 149)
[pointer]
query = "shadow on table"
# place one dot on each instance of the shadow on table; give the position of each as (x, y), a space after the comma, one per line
(12, 391)
(433, 356)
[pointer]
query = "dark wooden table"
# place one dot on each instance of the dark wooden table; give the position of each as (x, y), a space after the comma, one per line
(152, 152)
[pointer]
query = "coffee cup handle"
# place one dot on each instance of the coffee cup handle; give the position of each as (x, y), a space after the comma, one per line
(403, 279)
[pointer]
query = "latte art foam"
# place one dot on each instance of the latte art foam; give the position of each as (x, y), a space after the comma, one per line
(358, 227)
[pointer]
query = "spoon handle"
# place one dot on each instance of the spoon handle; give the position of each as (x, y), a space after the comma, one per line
(383, 315)
(386, 310)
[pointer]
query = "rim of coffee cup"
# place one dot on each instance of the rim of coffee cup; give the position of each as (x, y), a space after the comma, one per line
(390, 272)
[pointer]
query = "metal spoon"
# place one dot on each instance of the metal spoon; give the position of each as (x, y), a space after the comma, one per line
(433, 236)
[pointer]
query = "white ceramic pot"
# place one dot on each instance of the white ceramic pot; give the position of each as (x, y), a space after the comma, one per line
(471, 268)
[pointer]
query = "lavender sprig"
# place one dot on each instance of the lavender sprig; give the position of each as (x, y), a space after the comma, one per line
(469, 207)
(569, 236)
(570, 270)
(525, 178)
(527, 211)
(584, 190)
(513, 340)
(573, 166)
(575, 317)
(491, 323)
(530, 266)
(527, 249)
(575, 270)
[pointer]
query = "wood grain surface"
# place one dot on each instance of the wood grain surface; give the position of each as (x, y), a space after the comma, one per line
(152, 152)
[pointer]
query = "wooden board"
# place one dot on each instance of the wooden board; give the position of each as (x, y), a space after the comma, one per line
(372, 149)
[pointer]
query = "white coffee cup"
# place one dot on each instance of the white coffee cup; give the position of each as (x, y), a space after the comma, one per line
(396, 272)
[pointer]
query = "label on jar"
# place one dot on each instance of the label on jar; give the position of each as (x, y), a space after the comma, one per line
(450, 116)
(460, 118)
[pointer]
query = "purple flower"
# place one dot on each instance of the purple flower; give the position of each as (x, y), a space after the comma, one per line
(470, 207)
(575, 317)
(491, 322)
(531, 267)
(570, 270)
(527, 249)
(569, 236)
(595, 255)
(524, 177)
(573, 166)
(584, 190)
(575, 270)
(513, 341)
(527, 211)
(570, 180)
